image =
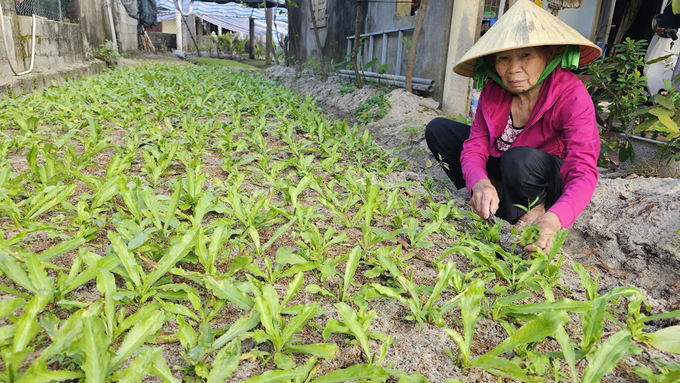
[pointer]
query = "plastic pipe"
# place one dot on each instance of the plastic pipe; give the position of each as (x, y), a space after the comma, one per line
(4, 40)
(113, 27)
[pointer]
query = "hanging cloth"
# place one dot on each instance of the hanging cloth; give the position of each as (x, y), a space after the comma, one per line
(568, 59)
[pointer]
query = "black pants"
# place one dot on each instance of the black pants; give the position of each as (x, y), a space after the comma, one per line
(525, 173)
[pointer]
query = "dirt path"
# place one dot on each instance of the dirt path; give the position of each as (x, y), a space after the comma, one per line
(627, 232)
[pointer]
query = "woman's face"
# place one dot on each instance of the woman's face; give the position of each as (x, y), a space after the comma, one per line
(520, 68)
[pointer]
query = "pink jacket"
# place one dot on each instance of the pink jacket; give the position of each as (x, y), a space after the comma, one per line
(561, 124)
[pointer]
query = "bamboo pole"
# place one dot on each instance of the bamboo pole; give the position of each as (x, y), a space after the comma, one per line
(414, 45)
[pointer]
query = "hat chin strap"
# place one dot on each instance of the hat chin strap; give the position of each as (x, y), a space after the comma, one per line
(568, 59)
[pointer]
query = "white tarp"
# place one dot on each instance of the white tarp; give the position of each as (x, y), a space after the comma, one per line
(231, 16)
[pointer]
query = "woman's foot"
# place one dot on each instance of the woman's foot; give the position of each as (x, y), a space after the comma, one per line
(533, 214)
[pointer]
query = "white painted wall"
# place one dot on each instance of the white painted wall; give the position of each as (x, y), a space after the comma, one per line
(580, 19)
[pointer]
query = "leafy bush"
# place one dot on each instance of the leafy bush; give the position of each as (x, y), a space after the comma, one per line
(108, 53)
(618, 83)
(663, 118)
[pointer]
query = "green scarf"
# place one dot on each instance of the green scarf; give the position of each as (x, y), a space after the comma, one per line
(569, 59)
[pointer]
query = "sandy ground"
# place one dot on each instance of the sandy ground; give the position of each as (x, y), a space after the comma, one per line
(627, 232)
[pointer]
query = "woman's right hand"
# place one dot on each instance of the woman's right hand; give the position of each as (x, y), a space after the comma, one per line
(484, 198)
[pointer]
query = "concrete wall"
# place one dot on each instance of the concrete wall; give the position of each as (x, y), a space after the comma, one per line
(64, 44)
(96, 29)
(57, 44)
(379, 16)
(432, 45)
(4, 66)
(126, 28)
(341, 18)
(163, 41)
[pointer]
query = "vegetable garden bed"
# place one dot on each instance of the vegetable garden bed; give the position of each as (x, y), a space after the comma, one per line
(196, 223)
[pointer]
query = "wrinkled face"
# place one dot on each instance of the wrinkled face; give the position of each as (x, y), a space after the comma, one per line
(520, 68)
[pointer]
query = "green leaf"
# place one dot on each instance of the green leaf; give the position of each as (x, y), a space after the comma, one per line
(568, 351)
(68, 332)
(542, 307)
(350, 269)
(137, 336)
(667, 339)
(11, 305)
(502, 367)
(186, 334)
(293, 287)
(534, 331)
(296, 323)
(285, 256)
(470, 306)
(134, 270)
(241, 326)
(606, 356)
(225, 289)
(94, 344)
(283, 362)
(62, 248)
(174, 255)
(351, 320)
(38, 373)
(322, 350)
(355, 372)
(37, 274)
(668, 122)
(27, 326)
(13, 270)
(276, 376)
(226, 362)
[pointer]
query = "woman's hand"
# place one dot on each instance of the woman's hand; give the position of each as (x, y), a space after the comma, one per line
(550, 224)
(484, 198)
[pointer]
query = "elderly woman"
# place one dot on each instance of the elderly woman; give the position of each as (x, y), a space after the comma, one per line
(531, 152)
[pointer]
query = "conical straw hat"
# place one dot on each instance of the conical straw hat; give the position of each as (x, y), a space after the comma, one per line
(525, 24)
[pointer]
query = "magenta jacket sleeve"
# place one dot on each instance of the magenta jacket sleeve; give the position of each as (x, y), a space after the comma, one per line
(582, 146)
(476, 150)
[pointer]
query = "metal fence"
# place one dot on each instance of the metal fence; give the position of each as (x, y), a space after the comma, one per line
(51, 9)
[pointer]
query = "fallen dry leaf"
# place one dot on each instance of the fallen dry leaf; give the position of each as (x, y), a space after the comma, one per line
(648, 207)
(403, 243)
(588, 252)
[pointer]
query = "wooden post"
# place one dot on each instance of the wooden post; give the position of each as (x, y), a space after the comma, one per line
(318, 40)
(414, 46)
(355, 50)
(251, 44)
(268, 37)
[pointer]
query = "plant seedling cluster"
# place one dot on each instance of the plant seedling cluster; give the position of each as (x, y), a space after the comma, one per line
(192, 223)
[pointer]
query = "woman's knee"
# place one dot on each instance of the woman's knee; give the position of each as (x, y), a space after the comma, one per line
(435, 128)
(443, 129)
(524, 159)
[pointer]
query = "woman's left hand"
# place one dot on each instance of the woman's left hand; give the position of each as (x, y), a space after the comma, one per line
(550, 224)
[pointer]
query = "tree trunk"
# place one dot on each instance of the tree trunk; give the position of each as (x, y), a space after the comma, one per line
(268, 39)
(414, 46)
(355, 48)
(318, 41)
